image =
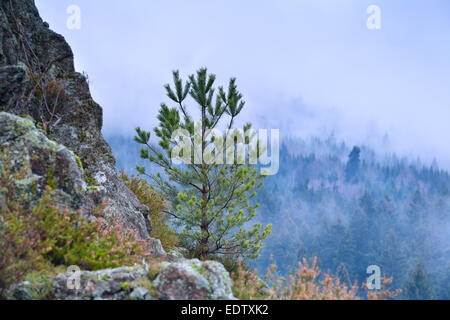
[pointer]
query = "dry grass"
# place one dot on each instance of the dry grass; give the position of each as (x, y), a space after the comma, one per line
(156, 202)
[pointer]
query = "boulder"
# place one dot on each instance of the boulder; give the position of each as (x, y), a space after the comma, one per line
(35, 162)
(31, 53)
(194, 280)
(109, 284)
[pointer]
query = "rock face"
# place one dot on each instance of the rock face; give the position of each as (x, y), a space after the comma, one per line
(110, 284)
(36, 162)
(38, 79)
(194, 280)
(50, 135)
(186, 280)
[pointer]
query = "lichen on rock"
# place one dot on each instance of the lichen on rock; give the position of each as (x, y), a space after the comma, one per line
(36, 162)
(109, 284)
(194, 280)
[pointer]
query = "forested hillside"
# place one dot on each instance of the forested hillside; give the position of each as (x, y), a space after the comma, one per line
(351, 207)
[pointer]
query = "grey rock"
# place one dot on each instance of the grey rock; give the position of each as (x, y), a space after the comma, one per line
(22, 291)
(140, 293)
(185, 280)
(108, 284)
(38, 161)
(78, 119)
(176, 255)
(156, 249)
(194, 280)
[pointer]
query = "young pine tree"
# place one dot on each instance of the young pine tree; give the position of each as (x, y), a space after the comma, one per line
(209, 197)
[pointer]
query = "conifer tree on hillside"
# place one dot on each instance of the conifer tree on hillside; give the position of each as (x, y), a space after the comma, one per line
(353, 165)
(343, 275)
(209, 200)
(359, 229)
(392, 258)
(416, 206)
(367, 203)
(418, 286)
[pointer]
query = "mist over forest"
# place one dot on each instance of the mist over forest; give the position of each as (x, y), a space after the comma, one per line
(352, 207)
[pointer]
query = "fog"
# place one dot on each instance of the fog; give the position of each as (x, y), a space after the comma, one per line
(305, 67)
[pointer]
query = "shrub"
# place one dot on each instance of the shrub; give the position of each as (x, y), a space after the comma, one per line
(19, 248)
(18, 243)
(148, 196)
(40, 281)
(40, 236)
(247, 285)
(67, 238)
(303, 284)
(70, 239)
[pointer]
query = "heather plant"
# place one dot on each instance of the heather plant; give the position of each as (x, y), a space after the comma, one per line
(40, 281)
(384, 293)
(303, 284)
(247, 285)
(18, 244)
(40, 236)
(156, 203)
(70, 239)
(19, 248)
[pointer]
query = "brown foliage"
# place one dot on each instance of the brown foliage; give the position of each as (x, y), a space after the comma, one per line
(303, 284)
(156, 202)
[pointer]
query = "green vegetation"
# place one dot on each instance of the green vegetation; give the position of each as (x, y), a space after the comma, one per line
(418, 286)
(51, 182)
(41, 280)
(156, 204)
(208, 202)
(77, 158)
(44, 236)
(82, 137)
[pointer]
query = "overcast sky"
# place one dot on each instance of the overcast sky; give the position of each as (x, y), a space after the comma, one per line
(306, 67)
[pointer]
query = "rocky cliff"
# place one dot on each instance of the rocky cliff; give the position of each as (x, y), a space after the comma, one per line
(38, 79)
(50, 135)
